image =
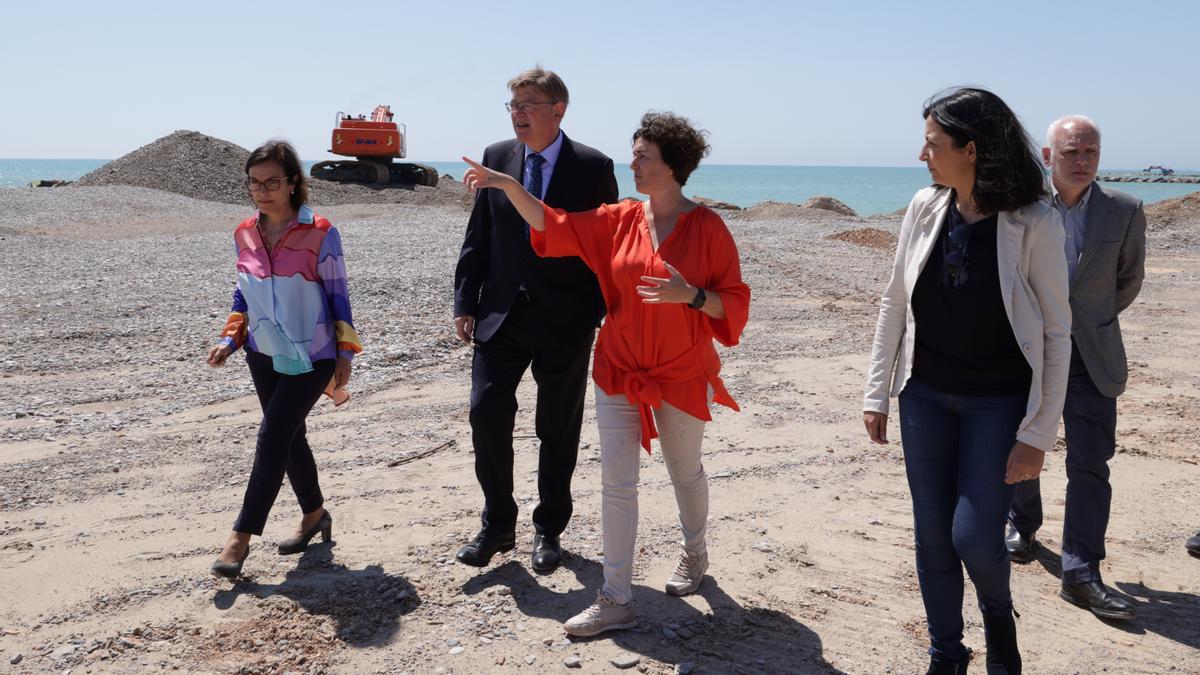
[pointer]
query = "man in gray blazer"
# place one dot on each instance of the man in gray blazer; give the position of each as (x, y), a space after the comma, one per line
(1106, 253)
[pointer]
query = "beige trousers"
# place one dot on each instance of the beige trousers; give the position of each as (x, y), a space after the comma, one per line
(680, 437)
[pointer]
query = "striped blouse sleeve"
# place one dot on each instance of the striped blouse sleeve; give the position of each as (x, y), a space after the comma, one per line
(234, 333)
(331, 267)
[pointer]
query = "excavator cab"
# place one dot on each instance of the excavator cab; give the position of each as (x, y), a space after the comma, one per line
(374, 144)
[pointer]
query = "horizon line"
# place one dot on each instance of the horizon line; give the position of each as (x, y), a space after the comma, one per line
(749, 165)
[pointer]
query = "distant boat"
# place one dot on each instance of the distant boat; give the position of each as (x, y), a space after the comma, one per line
(1161, 170)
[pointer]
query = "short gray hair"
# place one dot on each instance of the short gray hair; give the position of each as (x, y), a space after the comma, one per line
(546, 81)
(1067, 119)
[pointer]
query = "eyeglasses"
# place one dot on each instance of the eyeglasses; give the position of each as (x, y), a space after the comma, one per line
(524, 106)
(270, 184)
(957, 261)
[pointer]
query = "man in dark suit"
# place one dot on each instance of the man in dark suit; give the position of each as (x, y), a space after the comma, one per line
(529, 312)
(1106, 255)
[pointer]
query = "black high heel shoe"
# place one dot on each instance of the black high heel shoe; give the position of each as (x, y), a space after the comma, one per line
(230, 570)
(299, 544)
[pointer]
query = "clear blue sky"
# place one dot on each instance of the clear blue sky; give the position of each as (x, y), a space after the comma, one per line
(837, 83)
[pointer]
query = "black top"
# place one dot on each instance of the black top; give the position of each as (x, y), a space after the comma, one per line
(964, 341)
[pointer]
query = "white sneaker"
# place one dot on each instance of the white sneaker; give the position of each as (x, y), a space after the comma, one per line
(604, 614)
(688, 574)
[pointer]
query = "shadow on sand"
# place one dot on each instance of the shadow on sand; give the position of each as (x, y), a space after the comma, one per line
(725, 637)
(1168, 613)
(365, 605)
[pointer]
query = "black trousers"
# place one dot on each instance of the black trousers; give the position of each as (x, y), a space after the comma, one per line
(1090, 422)
(560, 371)
(282, 446)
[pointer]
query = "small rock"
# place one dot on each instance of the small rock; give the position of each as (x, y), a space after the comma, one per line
(573, 662)
(16, 658)
(457, 650)
(685, 633)
(684, 668)
(530, 659)
(453, 642)
(64, 651)
(763, 547)
(668, 633)
(625, 660)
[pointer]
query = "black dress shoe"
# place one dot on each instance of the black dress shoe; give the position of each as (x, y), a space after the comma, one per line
(1193, 545)
(1021, 548)
(547, 554)
(1095, 597)
(479, 552)
(300, 544)
(230, 570)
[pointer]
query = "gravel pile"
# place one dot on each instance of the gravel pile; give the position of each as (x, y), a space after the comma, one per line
(867, 236)
(192, 164)
(185, 162)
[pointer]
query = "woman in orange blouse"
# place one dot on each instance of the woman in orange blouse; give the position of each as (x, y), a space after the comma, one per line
(669, 272)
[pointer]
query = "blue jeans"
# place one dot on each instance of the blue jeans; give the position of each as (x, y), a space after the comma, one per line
(955, 453)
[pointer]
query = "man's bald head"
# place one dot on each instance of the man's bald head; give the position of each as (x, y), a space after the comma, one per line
(1072, 153)
(1070, 123)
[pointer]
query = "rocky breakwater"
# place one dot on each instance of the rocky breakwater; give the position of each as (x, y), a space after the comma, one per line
(192, 164)
(1148, 178)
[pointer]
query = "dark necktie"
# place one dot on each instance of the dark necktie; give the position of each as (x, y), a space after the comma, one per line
(533, 180)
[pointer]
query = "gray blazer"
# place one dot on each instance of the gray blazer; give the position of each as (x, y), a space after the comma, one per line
(1108, 278)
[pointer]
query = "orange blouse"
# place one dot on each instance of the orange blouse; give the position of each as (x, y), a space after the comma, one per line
(655, 352)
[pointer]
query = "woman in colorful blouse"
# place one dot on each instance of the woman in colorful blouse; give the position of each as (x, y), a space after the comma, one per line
(669, 272)
(291, 312)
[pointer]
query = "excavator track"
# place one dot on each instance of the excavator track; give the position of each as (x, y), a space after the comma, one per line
(375, 173)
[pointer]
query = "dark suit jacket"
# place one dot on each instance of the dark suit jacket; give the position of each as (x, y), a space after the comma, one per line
(496, 257)
(1106, 281)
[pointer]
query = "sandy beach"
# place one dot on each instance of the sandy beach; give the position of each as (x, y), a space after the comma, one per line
(124, 458)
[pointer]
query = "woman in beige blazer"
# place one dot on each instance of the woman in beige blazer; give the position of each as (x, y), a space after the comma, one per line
(974, 337)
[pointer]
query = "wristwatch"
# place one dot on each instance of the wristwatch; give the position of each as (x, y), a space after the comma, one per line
(698, 301)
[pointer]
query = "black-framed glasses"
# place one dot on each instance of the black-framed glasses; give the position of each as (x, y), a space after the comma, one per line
(270, 184)
(957, 260)
(524, 106)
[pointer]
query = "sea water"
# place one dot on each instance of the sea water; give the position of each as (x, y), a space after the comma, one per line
(866, 189)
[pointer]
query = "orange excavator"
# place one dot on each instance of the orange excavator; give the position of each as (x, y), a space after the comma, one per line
(374, 144)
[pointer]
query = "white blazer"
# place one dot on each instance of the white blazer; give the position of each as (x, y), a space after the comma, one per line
(1033, 281)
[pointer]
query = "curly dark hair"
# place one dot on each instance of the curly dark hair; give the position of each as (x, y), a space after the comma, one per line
(682, 145)
(1008, 173)
(285, 154)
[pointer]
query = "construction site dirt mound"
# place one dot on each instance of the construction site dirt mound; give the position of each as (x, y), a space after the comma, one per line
(192, 164)
(868, 236)
(1185, 209)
